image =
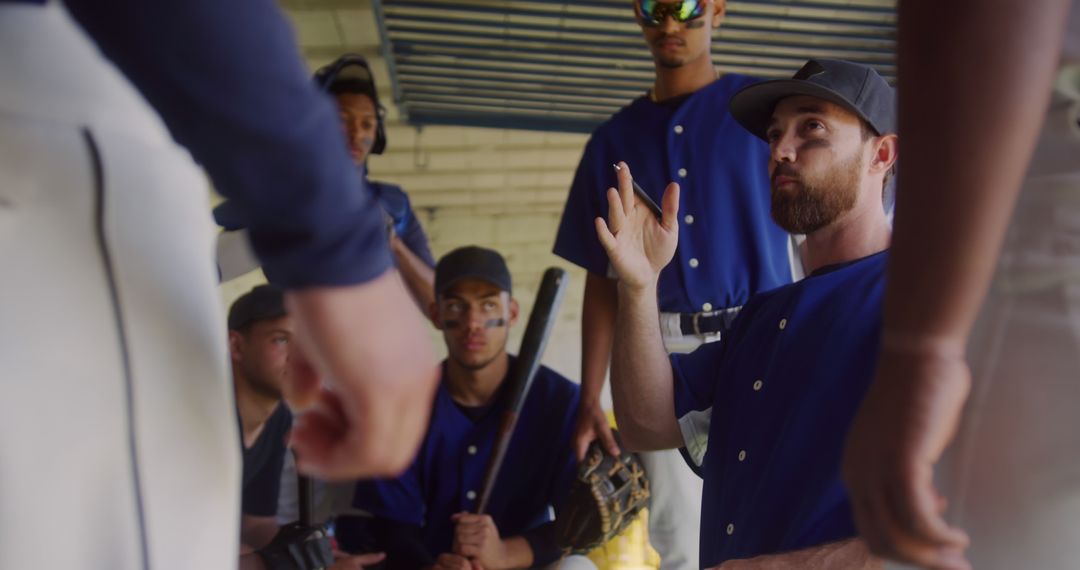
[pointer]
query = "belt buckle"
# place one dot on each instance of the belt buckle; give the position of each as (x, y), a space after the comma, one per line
(696, 325)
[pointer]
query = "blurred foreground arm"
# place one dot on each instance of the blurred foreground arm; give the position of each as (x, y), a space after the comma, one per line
(968, 134)
(366, 379)
(231, 86)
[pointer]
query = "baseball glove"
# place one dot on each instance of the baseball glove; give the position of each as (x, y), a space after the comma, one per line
(606, 497)
(298, 547)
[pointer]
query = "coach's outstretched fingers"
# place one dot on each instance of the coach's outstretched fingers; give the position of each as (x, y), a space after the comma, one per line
(636, 242)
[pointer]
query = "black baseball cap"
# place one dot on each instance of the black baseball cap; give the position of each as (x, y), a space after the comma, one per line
(856, 87)
(261, 303)
(351, 73)
(472, 262)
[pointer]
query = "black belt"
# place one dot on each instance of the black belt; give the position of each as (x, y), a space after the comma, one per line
(708, 323)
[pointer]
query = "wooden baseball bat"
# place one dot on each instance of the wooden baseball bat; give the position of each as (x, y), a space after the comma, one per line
(541, 321)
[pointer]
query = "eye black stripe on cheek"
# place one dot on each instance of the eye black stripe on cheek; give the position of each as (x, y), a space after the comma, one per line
(816, 143)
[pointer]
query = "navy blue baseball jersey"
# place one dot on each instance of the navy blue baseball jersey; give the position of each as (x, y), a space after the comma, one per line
(729, 247)
(396, 203)
(447, 475)
(783, 386)
(263, 462)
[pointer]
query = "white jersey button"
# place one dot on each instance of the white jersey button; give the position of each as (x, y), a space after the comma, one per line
(731, 528)
(682, 173)
(742, 455)
(706, 307)
(688, 219)
(472, 450)
(693, 262)
(678, 129)
(471, 495)
(757, 385)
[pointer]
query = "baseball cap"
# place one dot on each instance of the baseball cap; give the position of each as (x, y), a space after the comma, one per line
(349, 72)
(261, 303)
(856, 87)
(472, 262)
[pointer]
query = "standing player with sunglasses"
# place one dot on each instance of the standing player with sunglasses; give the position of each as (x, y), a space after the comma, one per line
(729, 248)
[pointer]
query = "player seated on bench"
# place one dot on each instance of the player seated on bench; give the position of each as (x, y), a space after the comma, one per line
(425, 518)
(260, 331)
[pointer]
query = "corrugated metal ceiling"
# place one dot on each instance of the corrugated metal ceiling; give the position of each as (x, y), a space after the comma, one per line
(566, 66)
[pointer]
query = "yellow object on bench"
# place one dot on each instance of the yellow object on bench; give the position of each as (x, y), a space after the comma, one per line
(630, 550)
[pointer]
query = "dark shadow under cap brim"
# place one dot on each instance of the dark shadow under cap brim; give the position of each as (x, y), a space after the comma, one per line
(753, 105)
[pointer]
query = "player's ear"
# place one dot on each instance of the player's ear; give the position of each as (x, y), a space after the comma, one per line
(235, 339)
(719, 10)
(433, 314)
(515, 310)
(886, 152)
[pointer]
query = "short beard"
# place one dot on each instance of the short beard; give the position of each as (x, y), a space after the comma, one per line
(812, 205)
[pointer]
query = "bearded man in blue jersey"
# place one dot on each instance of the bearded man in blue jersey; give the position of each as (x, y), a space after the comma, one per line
(782, 387)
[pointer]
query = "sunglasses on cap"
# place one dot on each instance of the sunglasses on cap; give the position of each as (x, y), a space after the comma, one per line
(653, 12)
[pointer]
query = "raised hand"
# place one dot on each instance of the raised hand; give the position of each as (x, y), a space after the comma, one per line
(637, 243)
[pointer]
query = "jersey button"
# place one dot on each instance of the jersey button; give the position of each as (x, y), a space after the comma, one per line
(731, 528)
(682, 173)
(706, 307)
(694, 262)
(757, 385)
(783, 324)
(678, 129)
(471, 495)
(688, 219)
(742, 455)
(472, 450)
